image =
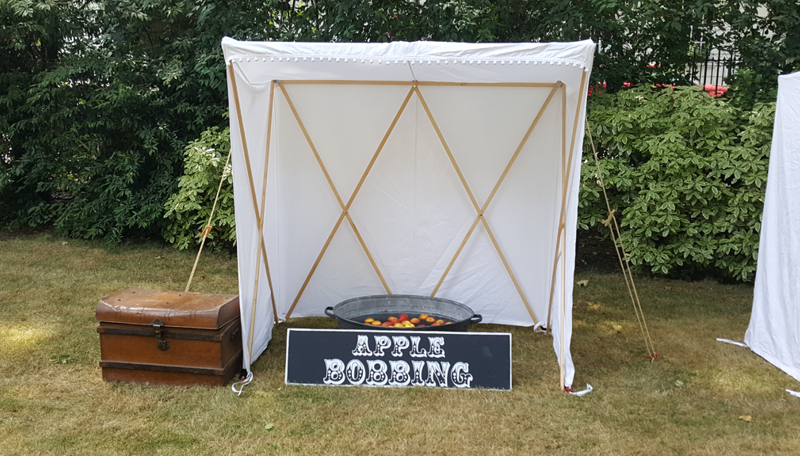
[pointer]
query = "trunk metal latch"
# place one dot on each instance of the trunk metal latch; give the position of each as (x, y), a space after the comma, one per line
(162, 344)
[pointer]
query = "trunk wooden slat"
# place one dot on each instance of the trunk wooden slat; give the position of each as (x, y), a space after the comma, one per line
(169, 338)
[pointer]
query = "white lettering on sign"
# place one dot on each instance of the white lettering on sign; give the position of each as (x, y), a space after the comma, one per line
(437, 372)
(436, 350)
(381, 342)
(415, 351)
(400, 373)
(418, 380)
(362, 347)
(461, 376)
(377, 373)
(334, 372)
(355, 372)
(400, 344)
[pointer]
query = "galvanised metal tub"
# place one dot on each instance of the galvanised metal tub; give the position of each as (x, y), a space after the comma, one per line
(350, 314)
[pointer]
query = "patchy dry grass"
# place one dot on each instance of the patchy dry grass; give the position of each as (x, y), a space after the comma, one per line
(53, 401)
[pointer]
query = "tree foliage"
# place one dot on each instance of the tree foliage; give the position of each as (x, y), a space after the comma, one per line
(191, 206)
(688, 174)
(92, 140)
(100, 99)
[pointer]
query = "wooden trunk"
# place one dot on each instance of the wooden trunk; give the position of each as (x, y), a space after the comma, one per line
(169, 338)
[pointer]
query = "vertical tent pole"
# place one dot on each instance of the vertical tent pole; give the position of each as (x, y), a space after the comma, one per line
(562, 224)
(253, 195)
(562, 231)
(561, 217)
(558, 231)
(261, 214)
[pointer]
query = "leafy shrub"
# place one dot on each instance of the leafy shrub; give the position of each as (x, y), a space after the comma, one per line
(687, 172)
(189, 209)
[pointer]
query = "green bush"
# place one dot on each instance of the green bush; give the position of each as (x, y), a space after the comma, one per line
(189, 209)
(687, 172)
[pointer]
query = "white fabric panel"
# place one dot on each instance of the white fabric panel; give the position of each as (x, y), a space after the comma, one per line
(541, 62)
(413, 210)
(412, 205)
(774, 331)
(255, 121)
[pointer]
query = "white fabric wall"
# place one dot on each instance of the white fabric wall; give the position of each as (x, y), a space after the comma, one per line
(412, 210)
(774, 331)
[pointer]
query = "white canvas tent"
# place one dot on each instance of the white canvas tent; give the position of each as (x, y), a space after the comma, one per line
(774, 331)
(442, 169)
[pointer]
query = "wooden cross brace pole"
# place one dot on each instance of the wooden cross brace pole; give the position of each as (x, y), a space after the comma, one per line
(481, 210)
(345, 207)
(262, 251)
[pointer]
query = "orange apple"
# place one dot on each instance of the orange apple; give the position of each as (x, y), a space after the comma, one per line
(423, 317)
(369, 320)
(375, 323)
(393, 319)
(430, 319)
(441, 322)
(414, 320)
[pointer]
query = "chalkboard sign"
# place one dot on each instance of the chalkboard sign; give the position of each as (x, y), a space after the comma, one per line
(398, 358)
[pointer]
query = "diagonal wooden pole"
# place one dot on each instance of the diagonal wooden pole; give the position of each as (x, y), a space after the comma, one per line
(261, 214)
(380, 147)
(346, 208)
(207, 228)
(447, 150)
(455, 257)
(496, 187)
(314, 267)
(333, 187)
(519, 148)
(562, 217)
(474, 202)
(261, 247)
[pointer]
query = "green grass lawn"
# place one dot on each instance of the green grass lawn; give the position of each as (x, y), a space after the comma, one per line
(53, 399)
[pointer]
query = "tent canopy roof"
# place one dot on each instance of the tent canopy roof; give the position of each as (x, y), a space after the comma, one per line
(402, 61)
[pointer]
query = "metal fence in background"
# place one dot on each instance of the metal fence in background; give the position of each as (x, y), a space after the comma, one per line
(713, 67)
